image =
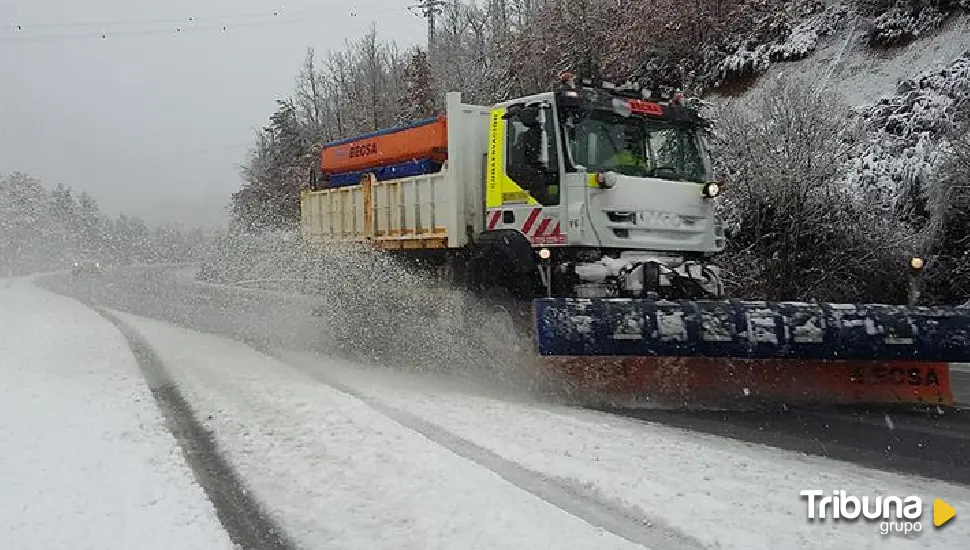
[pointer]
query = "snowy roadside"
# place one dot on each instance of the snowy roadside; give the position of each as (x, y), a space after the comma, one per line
(337, 474)
(727, 493)
(87, 460)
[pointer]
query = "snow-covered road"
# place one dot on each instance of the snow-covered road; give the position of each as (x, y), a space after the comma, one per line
(338, 474)
(86, 460)
(661, 486)
(724, 492)
(343, 456)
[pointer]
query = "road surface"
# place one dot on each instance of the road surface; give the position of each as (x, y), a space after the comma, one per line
(936, 446)
(287, 417)
(87, 461)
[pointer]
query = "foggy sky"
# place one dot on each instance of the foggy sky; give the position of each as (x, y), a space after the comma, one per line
(157, 124)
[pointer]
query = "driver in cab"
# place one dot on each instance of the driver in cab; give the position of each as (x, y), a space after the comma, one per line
(628, 158)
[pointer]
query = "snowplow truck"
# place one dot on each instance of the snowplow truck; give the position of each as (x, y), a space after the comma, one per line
(587, 213)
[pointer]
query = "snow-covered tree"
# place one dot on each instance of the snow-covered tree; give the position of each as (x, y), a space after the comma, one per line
(796, 231)
(897, 22)
(311, 101)
(23, 220)
(419, 98)
(908, 145)
(947, 234)
(92, 225)
(278, 165)
(42, 230)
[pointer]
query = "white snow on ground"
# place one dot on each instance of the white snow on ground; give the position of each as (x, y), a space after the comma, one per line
(727, 493)
(337, 474)
(863, 75)
(85, 458)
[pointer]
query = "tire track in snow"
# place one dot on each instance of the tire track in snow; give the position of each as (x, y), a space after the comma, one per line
(243, 518)
(607, 514)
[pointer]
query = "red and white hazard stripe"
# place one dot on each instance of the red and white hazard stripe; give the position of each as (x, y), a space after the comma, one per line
(531, 221)
(543, 234)
(493, 218)
(537, 228)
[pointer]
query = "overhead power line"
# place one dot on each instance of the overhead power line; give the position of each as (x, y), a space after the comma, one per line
(219, 24)
(26, 26)
(109, 34)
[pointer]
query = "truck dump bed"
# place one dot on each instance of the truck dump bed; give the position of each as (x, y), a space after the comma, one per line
(388, 188)
(403, 213)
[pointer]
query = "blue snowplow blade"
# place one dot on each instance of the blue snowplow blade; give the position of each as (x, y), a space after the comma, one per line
(750, 330)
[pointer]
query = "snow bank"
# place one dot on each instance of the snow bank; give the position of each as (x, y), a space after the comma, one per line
(727, 493)
(337, 474)
(86, 459)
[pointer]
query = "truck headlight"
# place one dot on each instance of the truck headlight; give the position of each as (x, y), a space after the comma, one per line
(916, 263)
(711, 189)
(545, 253)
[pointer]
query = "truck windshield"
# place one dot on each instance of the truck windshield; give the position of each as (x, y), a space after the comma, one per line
(638, 146)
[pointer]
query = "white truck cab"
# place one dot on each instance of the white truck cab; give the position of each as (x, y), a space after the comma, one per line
(604, 181)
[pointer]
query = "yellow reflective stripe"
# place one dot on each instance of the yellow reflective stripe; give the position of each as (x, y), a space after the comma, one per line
(493, 178)
(499, 188)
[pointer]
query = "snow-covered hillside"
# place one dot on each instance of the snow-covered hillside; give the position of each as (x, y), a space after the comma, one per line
(906, 95)
(844, 62)
(886, 120)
